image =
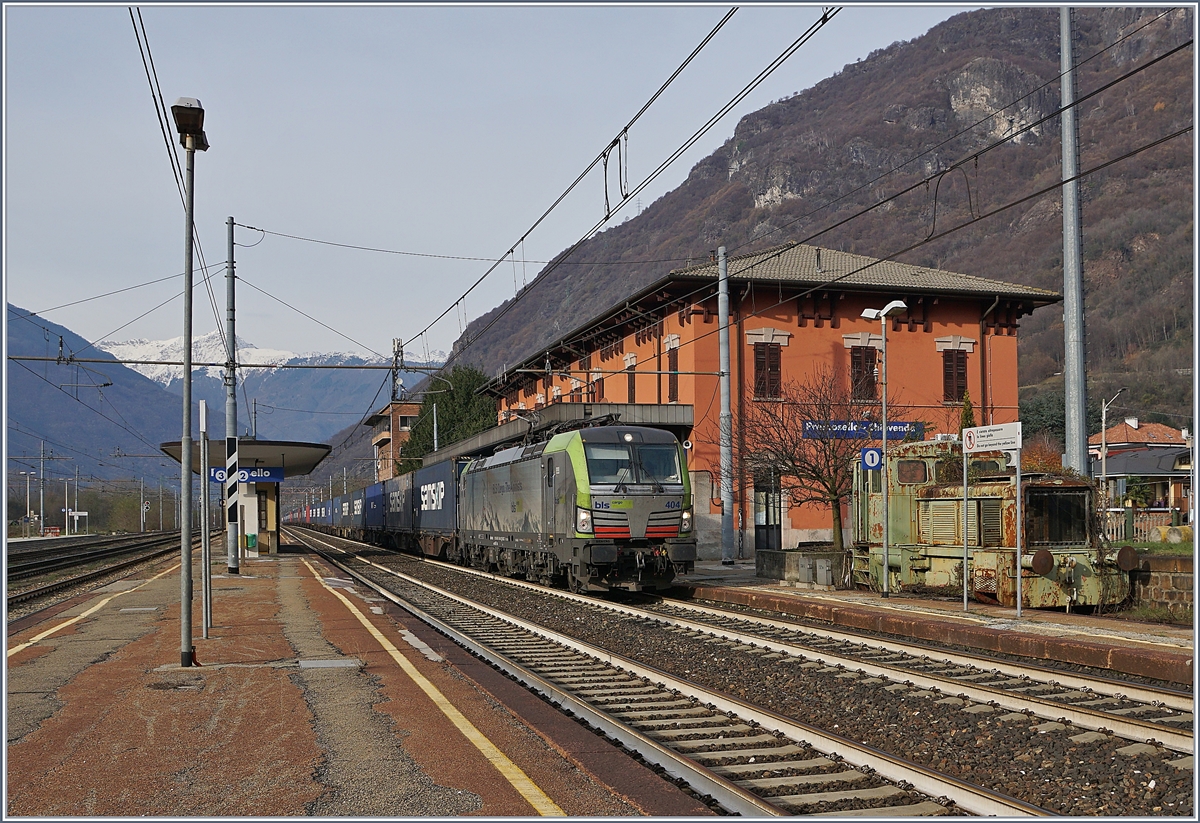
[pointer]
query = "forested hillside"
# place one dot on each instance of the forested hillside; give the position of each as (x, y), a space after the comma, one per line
(956, 128)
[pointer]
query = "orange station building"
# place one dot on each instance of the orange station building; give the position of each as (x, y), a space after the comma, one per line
(791, 308)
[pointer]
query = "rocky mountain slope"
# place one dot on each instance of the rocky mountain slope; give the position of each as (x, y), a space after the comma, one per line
(928, 135)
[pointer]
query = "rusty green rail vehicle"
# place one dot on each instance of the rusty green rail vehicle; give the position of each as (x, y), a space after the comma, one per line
(1064, 563)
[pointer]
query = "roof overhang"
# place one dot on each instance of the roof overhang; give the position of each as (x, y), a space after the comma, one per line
(294, 458)
(676, 418)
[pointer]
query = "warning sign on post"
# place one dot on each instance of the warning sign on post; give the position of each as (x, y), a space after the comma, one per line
(1004, 437)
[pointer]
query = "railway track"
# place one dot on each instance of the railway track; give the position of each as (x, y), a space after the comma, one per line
(69, 553)
(921, 711)
(50, 563)
(749, 760)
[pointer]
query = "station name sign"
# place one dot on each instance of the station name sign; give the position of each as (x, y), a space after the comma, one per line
(861, 430)
(259, 474)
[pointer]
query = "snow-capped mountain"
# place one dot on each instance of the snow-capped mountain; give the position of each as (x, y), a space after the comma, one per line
(210, 348)
(306, 404)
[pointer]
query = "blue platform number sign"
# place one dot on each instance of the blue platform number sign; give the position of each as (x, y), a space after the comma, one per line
(260, 474)
(872, 459)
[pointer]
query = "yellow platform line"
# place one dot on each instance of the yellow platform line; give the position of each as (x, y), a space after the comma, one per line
(77, 618)
(511, 771)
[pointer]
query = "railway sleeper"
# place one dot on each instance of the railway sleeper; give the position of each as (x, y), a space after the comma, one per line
(812, 764)
(822, 779)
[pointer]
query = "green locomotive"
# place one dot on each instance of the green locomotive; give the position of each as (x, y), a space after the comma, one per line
(600, 509)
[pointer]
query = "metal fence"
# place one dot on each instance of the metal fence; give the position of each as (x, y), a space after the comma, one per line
(1144, 523)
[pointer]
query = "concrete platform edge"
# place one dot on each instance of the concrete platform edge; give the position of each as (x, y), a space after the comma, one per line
(1174, 667)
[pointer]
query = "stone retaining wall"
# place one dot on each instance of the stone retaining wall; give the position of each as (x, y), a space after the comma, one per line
(1164, 581)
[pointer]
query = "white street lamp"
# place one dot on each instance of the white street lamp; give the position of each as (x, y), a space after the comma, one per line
(1104, 447)
(882, 315)
(189, 122)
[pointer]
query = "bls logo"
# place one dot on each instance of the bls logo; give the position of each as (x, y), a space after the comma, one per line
(432, 495)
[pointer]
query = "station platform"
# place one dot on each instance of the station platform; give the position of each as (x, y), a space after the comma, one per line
(1144, 649)
(312, 697)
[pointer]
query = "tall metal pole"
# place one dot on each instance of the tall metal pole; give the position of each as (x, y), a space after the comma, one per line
(1073, 328)
(726, 420)
(77, 499)
(231, 438)
(186, 649)
(42, 494)
(27, 475)
(66, 507)
(142, 505)
(435, 431)
(205, 528)
(883, 467)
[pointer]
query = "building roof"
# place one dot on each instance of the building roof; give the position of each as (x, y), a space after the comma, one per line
(1144, 463)
(811, 265)
(293, 457)
(792, 264)
(1149, 434)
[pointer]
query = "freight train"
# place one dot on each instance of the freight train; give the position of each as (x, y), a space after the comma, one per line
(1064, 562)
(595, 509)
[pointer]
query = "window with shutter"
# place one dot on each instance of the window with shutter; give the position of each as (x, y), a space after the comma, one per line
(954, 375)
(768, 377)
(862, 372)
(632, 385)
(673, 379)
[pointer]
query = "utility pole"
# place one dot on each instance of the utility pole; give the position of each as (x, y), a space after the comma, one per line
(726, 419)
(142, 506)
(231, 437)
(160, 508)
(77, 499)
(397, 354)
(1075, 387)
(42, 494)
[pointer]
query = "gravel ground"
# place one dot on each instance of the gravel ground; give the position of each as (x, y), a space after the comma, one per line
(1011, 756)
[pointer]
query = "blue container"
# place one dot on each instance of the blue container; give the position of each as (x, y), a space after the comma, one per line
(398, 504)
(374, 508)
(435, 498)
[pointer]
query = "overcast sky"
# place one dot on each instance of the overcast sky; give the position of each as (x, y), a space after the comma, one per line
(431, 131)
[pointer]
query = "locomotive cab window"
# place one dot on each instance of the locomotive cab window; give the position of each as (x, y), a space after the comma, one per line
(1056, 517)
(619, 463)
(659, 463)
(911, 472)
(608, 462)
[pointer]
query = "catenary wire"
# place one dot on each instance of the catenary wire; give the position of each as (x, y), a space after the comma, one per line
(42, 312)
(995, 113)
(959, 163)
(826, 16)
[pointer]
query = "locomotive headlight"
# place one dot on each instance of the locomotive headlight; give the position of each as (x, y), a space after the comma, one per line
(583, 521)
(685, 524)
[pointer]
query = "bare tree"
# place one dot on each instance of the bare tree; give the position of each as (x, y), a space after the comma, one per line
(817, 468)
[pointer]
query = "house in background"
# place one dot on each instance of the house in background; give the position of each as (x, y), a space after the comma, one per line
(1153, 455)
(793, 308)
(390, 429)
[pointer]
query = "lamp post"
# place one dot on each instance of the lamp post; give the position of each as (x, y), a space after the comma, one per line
(1104, 447)
(882, 315)
(189, 122)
